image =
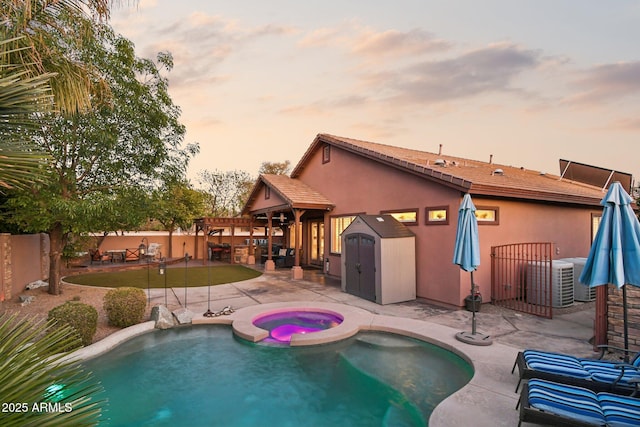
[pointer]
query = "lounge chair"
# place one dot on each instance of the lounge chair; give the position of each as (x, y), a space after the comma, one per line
(594, 374)
(546, 402)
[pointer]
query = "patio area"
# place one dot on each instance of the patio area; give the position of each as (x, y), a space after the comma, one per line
(489, 398)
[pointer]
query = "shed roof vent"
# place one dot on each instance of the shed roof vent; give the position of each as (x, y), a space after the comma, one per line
(439, 162)
(498, 172)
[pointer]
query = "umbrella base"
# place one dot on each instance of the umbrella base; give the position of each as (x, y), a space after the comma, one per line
(474, 339)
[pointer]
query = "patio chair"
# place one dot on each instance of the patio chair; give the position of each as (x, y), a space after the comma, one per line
(132, 255)
(594, 374)
(549, 403)
(96, 255)
(153, 251)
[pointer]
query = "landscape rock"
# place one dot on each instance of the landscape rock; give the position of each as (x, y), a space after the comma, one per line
(183, 316)
(36, 284)
(163, 317)
(26, 299)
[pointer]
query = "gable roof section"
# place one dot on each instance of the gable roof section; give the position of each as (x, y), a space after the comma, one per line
(294, 192)
(466, 175)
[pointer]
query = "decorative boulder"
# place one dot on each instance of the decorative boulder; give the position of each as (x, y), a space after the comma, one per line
(183, 316)
(36, 284)
(163, 317)
(26, 299)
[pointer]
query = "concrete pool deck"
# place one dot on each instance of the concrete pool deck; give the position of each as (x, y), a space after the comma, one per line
(489, 398)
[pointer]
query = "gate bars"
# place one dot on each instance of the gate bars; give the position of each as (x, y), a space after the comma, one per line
(521, 277)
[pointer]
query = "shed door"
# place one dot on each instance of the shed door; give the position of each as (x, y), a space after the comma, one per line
(360, 266)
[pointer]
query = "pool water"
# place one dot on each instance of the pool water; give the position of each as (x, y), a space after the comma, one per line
(205, 376)
(284, 324)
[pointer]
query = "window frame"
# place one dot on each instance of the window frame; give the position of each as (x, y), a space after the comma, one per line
(326, 153)
(427, 216)
(416, 211)
(332, 234)
(496, 215)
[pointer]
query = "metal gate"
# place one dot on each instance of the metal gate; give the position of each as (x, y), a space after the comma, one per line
(521, 277)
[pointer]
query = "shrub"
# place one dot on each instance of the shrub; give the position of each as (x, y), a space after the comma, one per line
(83, 318)
(125, 306)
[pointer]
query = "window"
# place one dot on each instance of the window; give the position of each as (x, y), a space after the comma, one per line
(487, 215)
(595, 224)
(338, 224)
(267, 192)
(405, 216)
(437, 215)
(326, 154)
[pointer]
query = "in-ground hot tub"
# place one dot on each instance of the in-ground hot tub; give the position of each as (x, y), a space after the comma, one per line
(283, 325)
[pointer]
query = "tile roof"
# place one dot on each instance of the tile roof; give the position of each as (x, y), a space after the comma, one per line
(467, 175)
(296, 193)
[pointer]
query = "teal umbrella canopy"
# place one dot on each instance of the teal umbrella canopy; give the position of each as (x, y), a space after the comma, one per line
(615, 252)
(466, 252)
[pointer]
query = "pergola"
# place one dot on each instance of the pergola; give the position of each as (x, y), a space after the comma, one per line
(206, 225)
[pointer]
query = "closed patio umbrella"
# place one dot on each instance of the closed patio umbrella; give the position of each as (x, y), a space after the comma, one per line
(615, 252)
(466, 254)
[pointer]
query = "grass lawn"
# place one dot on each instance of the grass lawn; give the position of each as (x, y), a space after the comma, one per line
(175, 277)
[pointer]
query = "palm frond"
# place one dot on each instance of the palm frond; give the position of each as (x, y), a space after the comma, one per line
(22, 98)
(32, 372)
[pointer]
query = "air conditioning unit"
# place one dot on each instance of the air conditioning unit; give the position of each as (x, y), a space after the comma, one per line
(561, 283)
(581, 292)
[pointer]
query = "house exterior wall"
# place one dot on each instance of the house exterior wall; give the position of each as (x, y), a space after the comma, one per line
(261, 202)
(358, 185)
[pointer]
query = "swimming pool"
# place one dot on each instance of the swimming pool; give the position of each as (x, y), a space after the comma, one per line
(206, 376)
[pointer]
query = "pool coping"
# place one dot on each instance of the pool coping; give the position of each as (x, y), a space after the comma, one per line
(482, 401)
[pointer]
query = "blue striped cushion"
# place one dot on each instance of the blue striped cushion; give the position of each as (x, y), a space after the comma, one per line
(555, 363)
(571, 402)
(608, 372)
(620, 411)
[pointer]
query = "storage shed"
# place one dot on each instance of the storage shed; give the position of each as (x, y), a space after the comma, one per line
(379, 259)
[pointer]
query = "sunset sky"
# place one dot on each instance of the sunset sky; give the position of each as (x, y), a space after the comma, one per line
(527, 81)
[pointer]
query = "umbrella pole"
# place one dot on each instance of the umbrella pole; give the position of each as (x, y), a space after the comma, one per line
(473, 306)
(625, 322)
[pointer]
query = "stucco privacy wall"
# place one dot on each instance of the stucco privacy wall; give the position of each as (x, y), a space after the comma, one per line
(23, 259)
(357, 185)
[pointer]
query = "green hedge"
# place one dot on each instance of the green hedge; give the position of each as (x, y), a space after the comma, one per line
(83, 318)
(125, 306)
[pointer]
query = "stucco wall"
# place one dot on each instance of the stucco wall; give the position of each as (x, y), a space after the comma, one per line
(23, 259)
(358, 185)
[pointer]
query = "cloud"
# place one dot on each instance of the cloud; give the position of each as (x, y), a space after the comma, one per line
(489, 69)
(630, 124)
(397, 43)
(367, 42)
(200, 43)
(606, 82)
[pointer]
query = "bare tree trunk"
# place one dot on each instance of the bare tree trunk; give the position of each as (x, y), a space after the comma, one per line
(56, 241)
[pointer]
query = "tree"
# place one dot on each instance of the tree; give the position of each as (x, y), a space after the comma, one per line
(133, 140)
(275, 168)
(226, 191)
(177, 205)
